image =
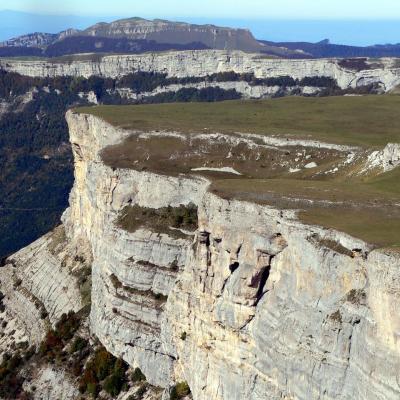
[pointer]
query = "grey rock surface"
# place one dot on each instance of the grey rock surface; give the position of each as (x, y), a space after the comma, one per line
(253, 306)
(259, 307)
(386, 73)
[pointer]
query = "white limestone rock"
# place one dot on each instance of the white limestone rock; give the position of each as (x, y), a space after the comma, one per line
(52, 383)
(207, 62)
(258, 308)
(40, 283)
(384, 160)
(258, 305)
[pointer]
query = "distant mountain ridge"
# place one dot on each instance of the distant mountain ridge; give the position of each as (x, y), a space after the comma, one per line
(326, 49)
(137, 35)
(172, 35)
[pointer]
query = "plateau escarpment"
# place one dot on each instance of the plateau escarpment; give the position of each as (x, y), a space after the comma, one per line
(257, 302)
(207, 62)
(34, 153)
(204, 269)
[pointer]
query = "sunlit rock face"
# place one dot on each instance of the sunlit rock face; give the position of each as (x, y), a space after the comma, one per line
(254, 305)
(39, 284)
(385, 73)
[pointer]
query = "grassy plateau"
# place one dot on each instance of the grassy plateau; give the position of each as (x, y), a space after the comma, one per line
(366, 206)
(367, 121)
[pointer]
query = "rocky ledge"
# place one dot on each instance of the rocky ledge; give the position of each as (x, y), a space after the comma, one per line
(352, 73)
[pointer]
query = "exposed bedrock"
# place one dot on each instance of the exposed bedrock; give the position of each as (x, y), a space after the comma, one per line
(251, 305)
(316, 325)
(386, 72)
(255, 305)
(43, 281)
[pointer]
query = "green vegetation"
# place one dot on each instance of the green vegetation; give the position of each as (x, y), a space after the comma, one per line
(114, 383)
(231, 76)
(388, 182)
(52, 348)
(103, 371)
(333, 245)
(356, 296)
(79, 344)
(94, 367)
(209, 94)
(139, 392)
(159, 220)
(36, 160)
(358, 64)
(336, 316)
(159, 297)
(379, 226)
(179, 391)
(10, 380)
(137, 376)
(368, 121)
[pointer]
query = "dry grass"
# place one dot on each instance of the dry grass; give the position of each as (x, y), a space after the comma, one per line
(379, 226)
(350, 192)
(369, 121)
(173, 156)
(359, 209)
(367, 208)
(159, 220)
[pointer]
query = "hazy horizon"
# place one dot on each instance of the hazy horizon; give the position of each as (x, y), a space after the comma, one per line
(360, 32)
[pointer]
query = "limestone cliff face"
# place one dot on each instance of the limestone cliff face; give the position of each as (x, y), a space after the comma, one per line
(40, 283)
(291, 320)
(386, 73)
(257, 305)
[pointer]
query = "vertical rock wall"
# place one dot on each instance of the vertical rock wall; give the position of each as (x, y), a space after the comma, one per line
(257, 305)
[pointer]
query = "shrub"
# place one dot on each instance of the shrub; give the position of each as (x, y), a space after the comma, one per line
(55, 340)
(113, 384)
(139, 393)
(103, 367)
(137, 375)
(92, 389)
(17, 283)
(159, 220)
(319, 81)
(10, 380)
(103, 363)
(179, 391)
(115, 281)
(78, 344)
(51, 344)
(67, 326)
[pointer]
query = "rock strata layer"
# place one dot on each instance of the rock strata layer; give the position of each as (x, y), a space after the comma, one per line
(256, 305)
(199, 63)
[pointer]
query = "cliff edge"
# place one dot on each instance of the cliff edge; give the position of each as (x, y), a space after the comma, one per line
(204, 271)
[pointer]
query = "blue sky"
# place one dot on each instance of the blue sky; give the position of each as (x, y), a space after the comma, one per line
(298, 9)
